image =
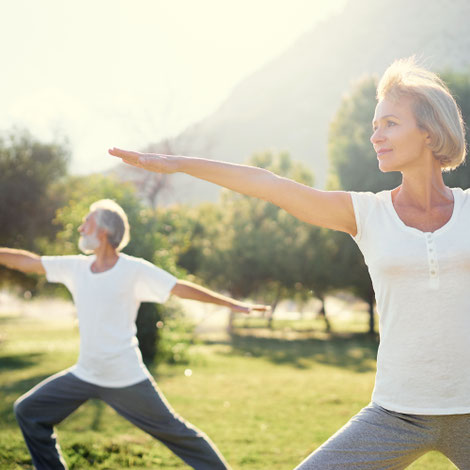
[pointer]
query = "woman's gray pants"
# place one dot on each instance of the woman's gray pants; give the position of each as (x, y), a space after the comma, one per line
(379, 439)
(142, 404)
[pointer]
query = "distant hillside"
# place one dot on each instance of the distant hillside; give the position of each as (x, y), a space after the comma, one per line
(288, 103)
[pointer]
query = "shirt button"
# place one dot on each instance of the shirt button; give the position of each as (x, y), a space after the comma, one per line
(433, 273)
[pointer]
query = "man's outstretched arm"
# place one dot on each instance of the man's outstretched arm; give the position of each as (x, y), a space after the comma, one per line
(21, 260)
(189, 290)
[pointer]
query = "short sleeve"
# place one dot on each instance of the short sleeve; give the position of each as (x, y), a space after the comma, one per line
(363, 204)
(153, 284)
(61, 268)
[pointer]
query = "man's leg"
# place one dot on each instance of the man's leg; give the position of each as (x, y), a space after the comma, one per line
(454, 442)
(145, 406)
(44, 406)
(375, 439)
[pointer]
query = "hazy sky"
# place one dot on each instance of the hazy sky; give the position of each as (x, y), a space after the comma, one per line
(129, 72)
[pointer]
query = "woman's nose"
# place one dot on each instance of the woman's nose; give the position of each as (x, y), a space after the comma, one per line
(376, 136)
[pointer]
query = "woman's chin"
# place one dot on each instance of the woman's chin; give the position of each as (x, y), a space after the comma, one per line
(384, 168)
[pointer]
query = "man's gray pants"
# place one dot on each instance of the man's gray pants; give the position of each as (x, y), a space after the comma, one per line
(142, 404)
(379, 439)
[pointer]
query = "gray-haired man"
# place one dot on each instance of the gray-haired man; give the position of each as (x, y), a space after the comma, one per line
(107, 288)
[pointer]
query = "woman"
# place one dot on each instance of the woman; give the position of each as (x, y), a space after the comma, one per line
(415, 240)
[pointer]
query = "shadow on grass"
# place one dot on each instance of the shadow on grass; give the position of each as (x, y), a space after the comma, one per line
(98, 406)
(19, 361)
(356, 352)
(7, 319)
(12, 391)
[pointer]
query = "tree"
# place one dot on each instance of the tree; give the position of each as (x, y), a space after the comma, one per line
(459, 85)
(147, 241)
(352, 158)
(353, 161)
(255, 248)
(29, 172)
(353, 167)
(317, 258)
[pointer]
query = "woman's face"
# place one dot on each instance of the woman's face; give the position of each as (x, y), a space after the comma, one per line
(398, 141)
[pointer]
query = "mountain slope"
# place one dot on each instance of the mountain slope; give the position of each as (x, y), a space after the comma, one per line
(288, 103)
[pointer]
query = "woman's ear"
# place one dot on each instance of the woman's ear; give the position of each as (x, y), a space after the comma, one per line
(428, 139)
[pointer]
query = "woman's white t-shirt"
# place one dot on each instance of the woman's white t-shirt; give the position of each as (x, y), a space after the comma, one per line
(107, 305)
(422, 287)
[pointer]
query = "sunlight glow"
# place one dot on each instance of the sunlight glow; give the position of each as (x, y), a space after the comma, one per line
(129, 73)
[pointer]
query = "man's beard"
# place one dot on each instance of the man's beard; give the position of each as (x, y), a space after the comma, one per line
(88, 243)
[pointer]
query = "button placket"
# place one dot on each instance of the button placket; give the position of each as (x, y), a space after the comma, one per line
(433, 266)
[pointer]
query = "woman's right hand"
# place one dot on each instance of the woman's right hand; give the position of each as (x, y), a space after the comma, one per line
(149, 161)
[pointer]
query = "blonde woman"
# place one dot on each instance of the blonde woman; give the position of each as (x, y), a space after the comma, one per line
(415, 240)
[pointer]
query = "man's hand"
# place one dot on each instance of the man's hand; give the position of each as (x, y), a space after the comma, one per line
(248, 308)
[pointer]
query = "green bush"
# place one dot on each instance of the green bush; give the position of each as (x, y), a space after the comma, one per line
(176, 334)
(169, 342)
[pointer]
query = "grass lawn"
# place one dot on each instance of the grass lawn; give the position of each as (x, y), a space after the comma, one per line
(266, 399)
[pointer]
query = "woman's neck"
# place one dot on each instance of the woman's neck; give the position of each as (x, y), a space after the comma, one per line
(423, 188)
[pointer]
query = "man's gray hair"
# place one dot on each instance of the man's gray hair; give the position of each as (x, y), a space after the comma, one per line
(110, 216)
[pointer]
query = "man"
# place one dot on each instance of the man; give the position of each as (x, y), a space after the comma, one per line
(107, 289)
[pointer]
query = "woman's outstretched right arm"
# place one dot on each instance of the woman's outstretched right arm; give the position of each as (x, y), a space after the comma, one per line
(330, 209)
(21, 260)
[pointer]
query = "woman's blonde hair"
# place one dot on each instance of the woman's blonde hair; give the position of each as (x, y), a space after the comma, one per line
(434, 108)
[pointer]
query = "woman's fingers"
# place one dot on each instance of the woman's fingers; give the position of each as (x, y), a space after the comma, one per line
(131, 158)
(127, 155)
(152, 162)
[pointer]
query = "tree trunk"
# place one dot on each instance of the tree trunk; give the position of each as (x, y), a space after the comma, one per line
(230, 322)
(371, 314)
(273, 308)
(147, 332)
(322, 313)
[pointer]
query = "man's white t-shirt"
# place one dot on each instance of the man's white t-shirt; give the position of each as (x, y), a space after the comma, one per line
(107, 305)
(422, 287)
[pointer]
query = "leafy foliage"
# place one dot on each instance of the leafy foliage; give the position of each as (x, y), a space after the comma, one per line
(353, 162)
(459, 84)
(29, 173)
(146, 240)
(253, 249)
(354, 167)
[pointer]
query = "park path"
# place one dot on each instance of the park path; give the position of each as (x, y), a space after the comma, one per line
(209, 319)
(11, 304)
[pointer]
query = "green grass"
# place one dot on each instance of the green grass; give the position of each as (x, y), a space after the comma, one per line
(267, 399)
